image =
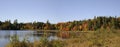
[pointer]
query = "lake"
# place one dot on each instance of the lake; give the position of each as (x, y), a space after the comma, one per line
(29, 34)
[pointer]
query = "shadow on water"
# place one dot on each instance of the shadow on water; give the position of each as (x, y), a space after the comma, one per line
(44, 33)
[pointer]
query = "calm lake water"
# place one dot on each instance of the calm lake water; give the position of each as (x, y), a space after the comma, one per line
(5, 36)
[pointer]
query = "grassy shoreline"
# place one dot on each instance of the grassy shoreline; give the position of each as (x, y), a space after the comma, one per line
(100, 38)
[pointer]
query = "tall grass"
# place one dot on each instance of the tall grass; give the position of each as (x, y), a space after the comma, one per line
(43, 42)
(99, 38)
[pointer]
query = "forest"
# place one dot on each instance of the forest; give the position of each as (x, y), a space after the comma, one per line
(106, 33)
(101, 22)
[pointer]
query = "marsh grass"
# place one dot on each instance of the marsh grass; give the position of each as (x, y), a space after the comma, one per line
(99, 38)
(43, 42)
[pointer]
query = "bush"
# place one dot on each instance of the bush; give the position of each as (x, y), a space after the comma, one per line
(15, 42)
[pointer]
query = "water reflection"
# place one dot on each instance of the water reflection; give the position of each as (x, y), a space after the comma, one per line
(30, 35)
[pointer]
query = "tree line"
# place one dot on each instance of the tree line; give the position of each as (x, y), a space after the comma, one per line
(96, 23)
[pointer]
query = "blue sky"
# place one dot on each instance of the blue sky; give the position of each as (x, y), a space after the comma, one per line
(57, 10)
